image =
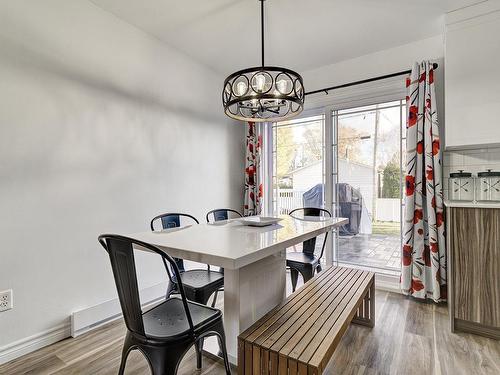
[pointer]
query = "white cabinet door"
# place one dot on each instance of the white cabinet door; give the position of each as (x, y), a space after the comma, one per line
(473, 82)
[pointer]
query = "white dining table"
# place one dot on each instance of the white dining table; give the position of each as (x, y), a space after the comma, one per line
(253, 258)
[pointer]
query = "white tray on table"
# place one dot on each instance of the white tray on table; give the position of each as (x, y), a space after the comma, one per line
(258, 221)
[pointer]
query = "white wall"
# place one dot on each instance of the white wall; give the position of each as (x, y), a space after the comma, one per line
(376, 64)
(101, 127)
(473, 76)
(472, 87)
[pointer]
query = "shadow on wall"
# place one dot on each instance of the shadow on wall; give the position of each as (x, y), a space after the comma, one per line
(164, 99)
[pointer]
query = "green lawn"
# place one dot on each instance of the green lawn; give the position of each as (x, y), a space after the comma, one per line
(386, 227)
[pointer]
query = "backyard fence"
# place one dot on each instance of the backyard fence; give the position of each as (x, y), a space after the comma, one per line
(288, 199)
(388, 209)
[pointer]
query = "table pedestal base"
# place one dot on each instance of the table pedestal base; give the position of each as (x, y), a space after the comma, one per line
(249, 293)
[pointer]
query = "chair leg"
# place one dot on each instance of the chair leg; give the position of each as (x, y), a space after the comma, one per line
(215, 298)
(294, 275)
(164, 360)
(123, 361)
(307, 274)
(204, 300)
(127, 344)
(318, 268)
(221, 336)
(198, 346)
(170, 289)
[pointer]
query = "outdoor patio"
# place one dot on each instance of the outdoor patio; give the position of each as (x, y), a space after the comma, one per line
(380, 250)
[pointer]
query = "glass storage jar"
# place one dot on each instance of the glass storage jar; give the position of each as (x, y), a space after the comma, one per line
(488, 186)
(461, 186)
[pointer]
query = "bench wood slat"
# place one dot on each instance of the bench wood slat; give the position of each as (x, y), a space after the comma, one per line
(248, 358)
(262, 324)
(268, 319)
(292, 334)
(265, 361)
(309, 334)
(333, 329)
(256, 353)
(278, 329)
(284, 314)
(326, 350)
(299, 336)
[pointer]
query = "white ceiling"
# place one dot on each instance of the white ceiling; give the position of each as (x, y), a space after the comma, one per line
(300, 34)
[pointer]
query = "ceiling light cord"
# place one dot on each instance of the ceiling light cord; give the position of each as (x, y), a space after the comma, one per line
(262, 29)
(263, 93)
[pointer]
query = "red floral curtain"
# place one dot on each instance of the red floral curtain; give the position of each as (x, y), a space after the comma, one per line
(253, 176)
(423, 273)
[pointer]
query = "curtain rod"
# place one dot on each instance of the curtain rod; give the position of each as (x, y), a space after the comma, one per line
(325, 90)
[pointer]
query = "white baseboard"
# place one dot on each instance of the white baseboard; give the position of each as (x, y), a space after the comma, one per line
(81, 321)
(384, 280)
(31, 343)
(90, 318)
(387, 282)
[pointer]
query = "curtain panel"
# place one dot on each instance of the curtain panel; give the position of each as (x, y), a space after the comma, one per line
(423, 272)
(253, 200)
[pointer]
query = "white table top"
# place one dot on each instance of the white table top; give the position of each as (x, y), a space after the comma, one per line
(232, 245)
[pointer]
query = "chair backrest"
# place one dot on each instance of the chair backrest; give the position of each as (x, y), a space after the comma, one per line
(221, 214)
(121, 254)
(308, 246)
(172, 220)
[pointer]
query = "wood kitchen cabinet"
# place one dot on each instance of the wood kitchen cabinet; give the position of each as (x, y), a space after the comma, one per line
(474, 268)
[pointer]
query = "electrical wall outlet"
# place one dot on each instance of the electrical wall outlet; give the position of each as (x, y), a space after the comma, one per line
(6, 302)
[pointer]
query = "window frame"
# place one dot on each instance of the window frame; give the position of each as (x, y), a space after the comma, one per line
(383, 91)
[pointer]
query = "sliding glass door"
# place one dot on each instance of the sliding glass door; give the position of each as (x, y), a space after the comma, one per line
(368, 184)
(359, 177)
(298, 177)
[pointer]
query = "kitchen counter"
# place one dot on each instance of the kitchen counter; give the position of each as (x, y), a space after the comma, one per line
(462, 204)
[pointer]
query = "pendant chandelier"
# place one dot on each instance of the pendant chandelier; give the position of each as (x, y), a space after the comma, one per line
(264, 93)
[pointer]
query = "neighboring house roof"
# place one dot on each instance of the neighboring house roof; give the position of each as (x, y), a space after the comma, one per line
(291, 173)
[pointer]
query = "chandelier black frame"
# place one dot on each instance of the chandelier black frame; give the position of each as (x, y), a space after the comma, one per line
(263, 93)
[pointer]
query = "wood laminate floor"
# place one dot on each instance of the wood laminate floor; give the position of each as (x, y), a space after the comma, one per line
(409, 338)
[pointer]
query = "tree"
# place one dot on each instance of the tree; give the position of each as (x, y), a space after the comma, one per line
(349, 142)
(313, 144)
(286, 151)
(391, 183)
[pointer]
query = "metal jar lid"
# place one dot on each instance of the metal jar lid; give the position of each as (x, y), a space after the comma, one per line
(460, 174)
(489, 173)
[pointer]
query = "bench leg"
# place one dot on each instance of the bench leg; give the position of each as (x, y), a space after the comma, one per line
(366, 310)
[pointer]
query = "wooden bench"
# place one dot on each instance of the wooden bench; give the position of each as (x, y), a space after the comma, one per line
(299, 336)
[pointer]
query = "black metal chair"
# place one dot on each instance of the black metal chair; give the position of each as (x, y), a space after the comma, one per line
(306, 262)
(213, 216)
(199, 284)
(221, 214)
(164, 333)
